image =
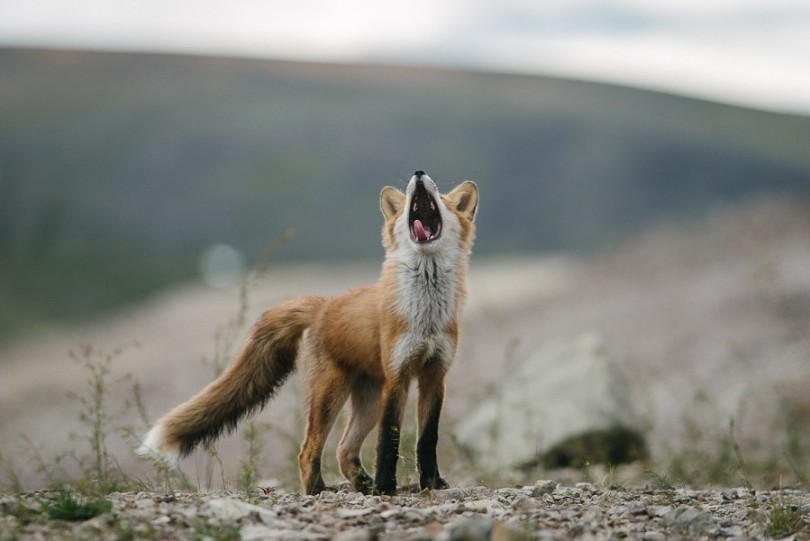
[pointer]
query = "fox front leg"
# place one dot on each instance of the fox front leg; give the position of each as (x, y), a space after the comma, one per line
(429, 407)
(393, 402)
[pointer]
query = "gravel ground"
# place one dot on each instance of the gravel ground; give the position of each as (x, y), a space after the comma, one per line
(543, 511)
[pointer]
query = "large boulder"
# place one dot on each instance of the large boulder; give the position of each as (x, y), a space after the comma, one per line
(566, 405)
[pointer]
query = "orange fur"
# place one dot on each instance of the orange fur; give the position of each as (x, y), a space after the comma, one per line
(364, 346)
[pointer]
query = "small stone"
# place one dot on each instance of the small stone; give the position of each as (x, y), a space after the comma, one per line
(354, 513)
(255, 532)
(522, 503)
(483, 505)
(231, 510)
(636, 509)
(509, 531)
(480, 492)
(451, 494)
(433, 529)
(394, 511)
(144, 504)
(543, 487)
(364, 534)
(659, 510)
(617, 510)
(471, 529)
(735, 531)
(688, 519)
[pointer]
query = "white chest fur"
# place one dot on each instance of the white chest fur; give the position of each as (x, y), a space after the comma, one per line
(427, 293)
(427, 301)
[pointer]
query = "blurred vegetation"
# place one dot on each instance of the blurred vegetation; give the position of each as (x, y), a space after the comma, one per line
(118, 170)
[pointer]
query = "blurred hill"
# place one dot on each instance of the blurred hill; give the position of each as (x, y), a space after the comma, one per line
(118, 170)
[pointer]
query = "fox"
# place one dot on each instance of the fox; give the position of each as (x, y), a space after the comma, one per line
(365, 346)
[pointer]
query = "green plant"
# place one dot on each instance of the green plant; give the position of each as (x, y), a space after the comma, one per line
(741, 463)
(248, 477)
(797, 445)
(51, 470)
(407, 473)
(93, 414)
(100, 469)
(225, 339)
(783, 519)
(213, 461)
(165, 476)
(12, 481)
(609, 480)
(67, 506)
(710, 457)
(204, 531)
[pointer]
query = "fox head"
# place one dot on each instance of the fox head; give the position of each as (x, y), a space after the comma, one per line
(422, 220)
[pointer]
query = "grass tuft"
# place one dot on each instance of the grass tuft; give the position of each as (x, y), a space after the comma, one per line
(783, 519)
(204, 531)
(248, 478)
(69, 507)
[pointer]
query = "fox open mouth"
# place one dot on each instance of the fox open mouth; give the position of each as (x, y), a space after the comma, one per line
(424, 219)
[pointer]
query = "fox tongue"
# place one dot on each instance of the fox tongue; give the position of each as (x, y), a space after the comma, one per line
(419, 231)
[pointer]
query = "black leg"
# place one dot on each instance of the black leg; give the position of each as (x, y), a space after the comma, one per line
(385, 476)
(431, 396)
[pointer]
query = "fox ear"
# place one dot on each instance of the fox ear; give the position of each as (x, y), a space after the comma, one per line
(465, 198)
(391, 200)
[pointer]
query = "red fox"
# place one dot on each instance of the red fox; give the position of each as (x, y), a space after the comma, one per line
(365, 345)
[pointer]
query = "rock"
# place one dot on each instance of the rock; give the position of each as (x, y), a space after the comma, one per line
(365, 534)
(522, 503)
(470, 529)
(567, 404)
(688, 520)
(543, 487)
(354, 513)
(659, 510)
(510, 531)
(260, 532)
(483, 505)
(451, 494)
(232, 510)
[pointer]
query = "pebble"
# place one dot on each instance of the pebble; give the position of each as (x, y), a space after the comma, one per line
(543, 487)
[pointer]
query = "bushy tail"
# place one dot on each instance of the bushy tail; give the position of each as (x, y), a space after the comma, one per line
(265, 362)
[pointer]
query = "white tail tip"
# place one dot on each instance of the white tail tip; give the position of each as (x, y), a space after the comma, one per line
(154, 447)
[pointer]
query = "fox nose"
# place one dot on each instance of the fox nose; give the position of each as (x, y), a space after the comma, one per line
(419, 174)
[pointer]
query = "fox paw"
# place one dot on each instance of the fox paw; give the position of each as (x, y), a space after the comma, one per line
(387, 489)
(433, 483)
(363, 482)
(315, 486)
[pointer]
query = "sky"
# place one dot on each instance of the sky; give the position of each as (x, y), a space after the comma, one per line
(748, 52)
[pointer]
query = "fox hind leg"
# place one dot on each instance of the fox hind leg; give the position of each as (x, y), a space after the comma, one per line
(365, 404)
(327, 397)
